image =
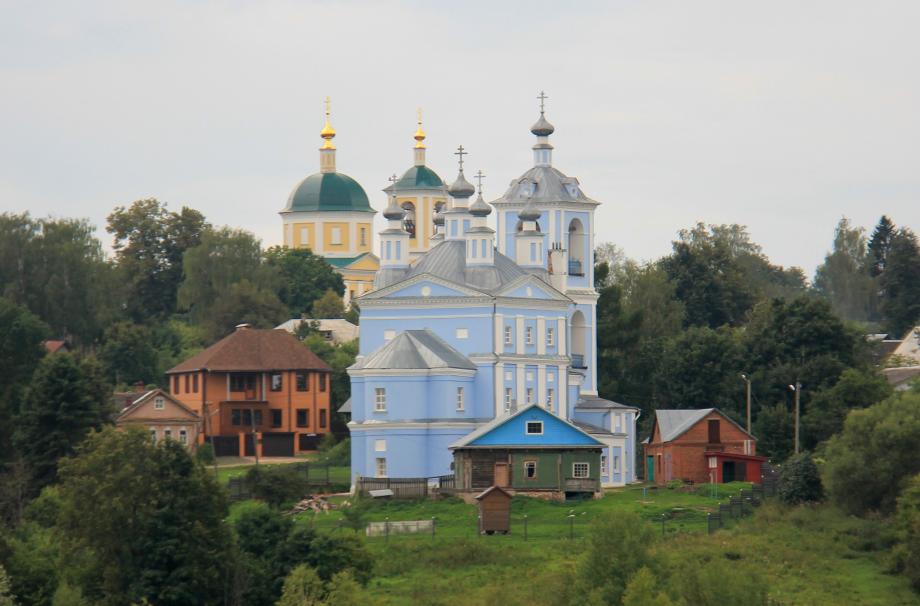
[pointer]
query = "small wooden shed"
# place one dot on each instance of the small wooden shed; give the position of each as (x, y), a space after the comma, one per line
(494, 511)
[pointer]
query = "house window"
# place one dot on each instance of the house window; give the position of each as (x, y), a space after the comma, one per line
(380, 445)
(167, 434)
(535, 428)
(619, 422)
(183, 436)
(507, 398)
(322, 381)
(581, 470)
(303, 384)
(509, 339)
(549, 399)
(381, 467)
(236, 417)
(159, 404)
(459, 398)
(550, 336)
(714, 431)
(302, 419)
(153, 435)
(322, 419)
(380, 399)
(389, 334)
(713, 463)
(463, 333)
(175, 383)
(187, 383)
(242, 382)
(528, 335)
(603, 465)
(195, 382)
(530, 470)
(276, 418)
(529, 396)
(276, 381)
(258, 417)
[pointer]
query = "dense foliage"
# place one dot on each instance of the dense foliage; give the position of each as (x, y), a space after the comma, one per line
(799, 480)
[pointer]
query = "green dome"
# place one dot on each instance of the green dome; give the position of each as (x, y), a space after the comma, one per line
(328, 192)
(419, 177)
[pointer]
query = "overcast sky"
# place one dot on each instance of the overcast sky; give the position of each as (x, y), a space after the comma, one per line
(782, 116)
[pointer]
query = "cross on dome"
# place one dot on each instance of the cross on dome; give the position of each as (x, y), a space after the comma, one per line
(479, 177)
(542, 97)
(460, 152)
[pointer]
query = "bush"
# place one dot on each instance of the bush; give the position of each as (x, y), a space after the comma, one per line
(907, 553)
(799, 481)
(618, 546)
(205, 454)
(275, 485)
(869, 463)
(335, 453)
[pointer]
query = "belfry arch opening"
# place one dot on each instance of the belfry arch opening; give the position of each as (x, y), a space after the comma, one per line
(579, 334)
(409, 218)
(576, 248)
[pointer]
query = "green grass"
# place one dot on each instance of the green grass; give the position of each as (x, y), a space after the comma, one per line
(809, 556)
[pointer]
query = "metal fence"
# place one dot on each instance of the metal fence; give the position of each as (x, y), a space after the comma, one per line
(739, 506)
(406, 488)
(314, 476)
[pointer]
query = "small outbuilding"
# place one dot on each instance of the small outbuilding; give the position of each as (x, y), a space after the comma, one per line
(494, 511)
(700, 446)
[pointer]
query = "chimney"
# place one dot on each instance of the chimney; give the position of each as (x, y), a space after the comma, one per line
(243, 326)
(139, 387)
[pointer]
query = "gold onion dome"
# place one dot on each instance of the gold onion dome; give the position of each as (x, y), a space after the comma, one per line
(419, 133)
(328, 133)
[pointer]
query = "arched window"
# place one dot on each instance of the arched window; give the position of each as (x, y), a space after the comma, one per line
(579, 334)
(577, 242)
(409, 218)
(438, 207)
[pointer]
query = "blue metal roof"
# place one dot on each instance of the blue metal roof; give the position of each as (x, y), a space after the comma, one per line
(510, 431)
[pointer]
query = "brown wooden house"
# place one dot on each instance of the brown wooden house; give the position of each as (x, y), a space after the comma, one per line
(256, 389)
(700, 446)
(165, 417)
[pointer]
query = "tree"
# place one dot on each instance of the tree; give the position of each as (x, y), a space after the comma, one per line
(339, 356)
(143, 521)
(643, 590)
(150, 242)
(56, 268)
(262, 534)
(900, 284)
(302, 587)
(128, 354)
(856, 388)
(67, 399)
(872, 459)
(618, 546)
(344, 590)
(774, 428)
(244, 303)
(843, 279)
(330, 305)
(880, 246)
(6, 594)
(907, 552)
(799, 480)
(305, 277)
(21, 336)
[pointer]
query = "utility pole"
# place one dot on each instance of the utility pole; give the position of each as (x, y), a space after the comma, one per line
(797, 388)
(747, 381)
(255, 445)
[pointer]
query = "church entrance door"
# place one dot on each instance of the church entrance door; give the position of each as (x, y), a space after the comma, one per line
(501, 474)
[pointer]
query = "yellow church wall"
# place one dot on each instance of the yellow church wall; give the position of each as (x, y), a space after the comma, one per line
(367, 263)
(343, 245)
(299, 241)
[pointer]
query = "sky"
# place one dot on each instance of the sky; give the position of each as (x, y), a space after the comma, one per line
(782, 116)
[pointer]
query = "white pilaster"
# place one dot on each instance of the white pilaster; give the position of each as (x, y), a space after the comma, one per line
(519, 397)
(499, 333)
(561, 337)
(519, 330)
(499, 388)
(541, 384)
(541, 335)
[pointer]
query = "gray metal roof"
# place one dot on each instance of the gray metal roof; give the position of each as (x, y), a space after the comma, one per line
(600, 403)
(346, 406)
(551, 187)
(673, 423)
(594, 430)
(415, 349)
(447, 260)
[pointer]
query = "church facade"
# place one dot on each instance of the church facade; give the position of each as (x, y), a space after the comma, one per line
(470, 324)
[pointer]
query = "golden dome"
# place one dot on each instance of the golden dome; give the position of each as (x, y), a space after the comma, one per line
(419, 134)
(328, 133)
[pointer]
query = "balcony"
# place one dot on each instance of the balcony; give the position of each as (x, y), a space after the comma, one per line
(578, 361)
(581, 485)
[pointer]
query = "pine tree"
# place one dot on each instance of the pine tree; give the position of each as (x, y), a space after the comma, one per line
(880, 245)
(900, 283)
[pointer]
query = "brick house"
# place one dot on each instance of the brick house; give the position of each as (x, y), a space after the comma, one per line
(261, 383)
(700, 446)
(165, 417)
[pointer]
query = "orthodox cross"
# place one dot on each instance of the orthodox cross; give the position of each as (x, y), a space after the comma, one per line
(479, 177)
(542, 97)
(461, 153)
(392, 179)
(420, 116)
(327, 106)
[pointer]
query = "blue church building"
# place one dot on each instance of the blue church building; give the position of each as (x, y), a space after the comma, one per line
(485, 323)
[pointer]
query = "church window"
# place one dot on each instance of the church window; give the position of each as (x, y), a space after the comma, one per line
(389, 250)
(581, 470)
(528, 335)
(549, 399)
(484, 248)
(533, 251)
(460, 403)
(550, 337)
(381, 467)
(398, 250)
(473, 249)
(507, 398)
(603, 465)
(159, 404)
(389, 334)
(335, 236)
(463, 333)
(304, 238)
(509, 338)
(529, 396)
(380, 399)
(616, 464)
(466, 225)
(409, 218)
(618, 420)
(577, 241)
(534, 428)
(363, 236)
(530, 470)
(380, 445)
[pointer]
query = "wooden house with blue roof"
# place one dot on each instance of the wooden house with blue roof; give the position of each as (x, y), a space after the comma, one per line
(529, 451)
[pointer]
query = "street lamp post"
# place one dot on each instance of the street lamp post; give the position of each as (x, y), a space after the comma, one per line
(747, 382)
(797, 390)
